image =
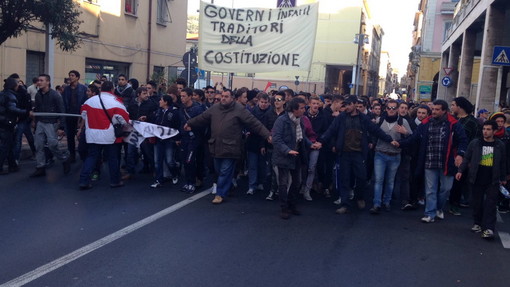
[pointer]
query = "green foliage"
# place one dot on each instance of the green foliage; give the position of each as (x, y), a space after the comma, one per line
(17, 15)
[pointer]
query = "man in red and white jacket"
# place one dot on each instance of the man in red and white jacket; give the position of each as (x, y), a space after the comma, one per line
(100, 134)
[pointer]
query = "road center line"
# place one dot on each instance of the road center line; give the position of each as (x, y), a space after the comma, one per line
(36, 273)
(499, 219)
(505, 239)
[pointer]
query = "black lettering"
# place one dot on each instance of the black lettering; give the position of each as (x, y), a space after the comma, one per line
(275, 59)
(263, 28)
(210, 11)
(222, 13)
(227, 58)
(259, 15)
(274, 27)
(218, 59)
(206, 58)
(239, 13)
(249, 14)
(285, 59)
(231, 28)
(294, 60)
(222, 27)
(263, 57)
(240, 28)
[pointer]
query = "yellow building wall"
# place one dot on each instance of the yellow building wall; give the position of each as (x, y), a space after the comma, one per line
(429, 67)
(110, 35)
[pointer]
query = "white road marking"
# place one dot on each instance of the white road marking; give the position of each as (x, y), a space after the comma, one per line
(47, 268)
(500, 220)
(505, 239)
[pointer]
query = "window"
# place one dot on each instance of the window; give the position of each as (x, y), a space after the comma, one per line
(34, 65)
(163, 12)
(95, 68)
(447, 25)
(131, 7)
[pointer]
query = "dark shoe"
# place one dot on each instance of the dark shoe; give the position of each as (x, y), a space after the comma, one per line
(454, 210)
(72, 158)
(407, 206)
(375, 210)
(38, 172)
(86, 186)
(488, 234)
(120, 184)
(387, 207)
(127, 176)
(361, 204)
(4, 172)
(342, 210)
(67, 166)
(13, 168)
(294, 211)
(285, 214)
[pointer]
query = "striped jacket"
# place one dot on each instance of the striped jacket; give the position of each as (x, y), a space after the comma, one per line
(99, 130)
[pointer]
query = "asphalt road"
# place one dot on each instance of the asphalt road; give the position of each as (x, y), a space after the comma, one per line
(242, 242)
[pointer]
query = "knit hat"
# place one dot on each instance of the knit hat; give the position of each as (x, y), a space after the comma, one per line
(494, 116)
(351, 99)
(464, 104)
(251, 94)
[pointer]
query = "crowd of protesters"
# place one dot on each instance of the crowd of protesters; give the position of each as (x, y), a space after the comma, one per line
(287, 144)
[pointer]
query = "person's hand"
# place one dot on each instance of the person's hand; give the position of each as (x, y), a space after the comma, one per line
(293, 152)
(370, 146)
(142, 118)
(31, 114)
(401, 129)
(263, 151)
(187, 128)
(270, 139)
(458, 160)
(458, 176)
(178, 143)
(395, 144)
(503, 182)
(316, 145)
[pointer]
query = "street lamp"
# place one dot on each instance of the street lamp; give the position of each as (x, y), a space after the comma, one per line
(359, 39)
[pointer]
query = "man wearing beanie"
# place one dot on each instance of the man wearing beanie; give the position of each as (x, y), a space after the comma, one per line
(462, 110)
(503, 135)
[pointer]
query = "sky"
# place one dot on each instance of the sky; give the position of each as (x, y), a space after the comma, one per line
(395, 16)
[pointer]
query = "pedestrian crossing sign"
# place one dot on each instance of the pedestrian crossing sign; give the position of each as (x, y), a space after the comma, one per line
(500, 56)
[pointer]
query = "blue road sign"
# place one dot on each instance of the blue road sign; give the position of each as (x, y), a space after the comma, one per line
(446, 81)
(500, 56)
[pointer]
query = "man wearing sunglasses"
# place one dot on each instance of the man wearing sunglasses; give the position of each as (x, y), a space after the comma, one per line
(387, 157)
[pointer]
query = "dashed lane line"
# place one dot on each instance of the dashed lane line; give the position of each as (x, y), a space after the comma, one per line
(505, 239)
(66, 259)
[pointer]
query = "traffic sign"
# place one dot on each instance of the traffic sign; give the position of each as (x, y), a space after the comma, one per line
(500, 56)
(447, 70)
(446, 81)
(296, 82)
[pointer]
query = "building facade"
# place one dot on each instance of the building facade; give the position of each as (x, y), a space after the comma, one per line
(475, 50)
(138, 38)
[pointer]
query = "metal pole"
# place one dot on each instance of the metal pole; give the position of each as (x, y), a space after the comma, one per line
(189, 68)
(358, 64)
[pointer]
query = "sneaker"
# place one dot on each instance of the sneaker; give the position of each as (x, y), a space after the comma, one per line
(326, 193)
(338, 201)
(185, 188)
(260, 187)
(342, 210)
(307, 196)
(375, 210)
(427, 219)
(488, 234)
(351, 195)
(361, 204)
(454, 211)
(270, 196)
(407, 206)
(421, 202)
(250, 191)
(95, 176)
(476, 228)
(191, 188)
(464, 204)
(214, 187)
(175, 180)
(440, 214)
(156, 184)
(217, 199)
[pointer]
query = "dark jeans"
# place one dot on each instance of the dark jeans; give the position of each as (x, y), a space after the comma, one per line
(402, 179)
(189, 153)
(288, 195)
(459, 189)
(24, 127)
(352, 164)
(6, 147)
(71, 127)
(485, 200)
(112, 153)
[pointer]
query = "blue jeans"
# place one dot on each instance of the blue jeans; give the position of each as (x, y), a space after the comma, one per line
(24, 127)
(257, 169)
(112, 153)
(385, 169)
(164, 154)
(225, 168)
(437, 188)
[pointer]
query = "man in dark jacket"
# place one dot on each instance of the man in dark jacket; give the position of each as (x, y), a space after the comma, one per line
(73, 96)
(442, 145)
(486, 159)
(351, 129)
(9, 113)
(225, 143)
(124, 90)
(48, 128)
(290, 143)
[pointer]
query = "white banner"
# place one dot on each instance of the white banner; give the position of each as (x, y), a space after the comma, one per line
(139, 131)
(255, 40)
